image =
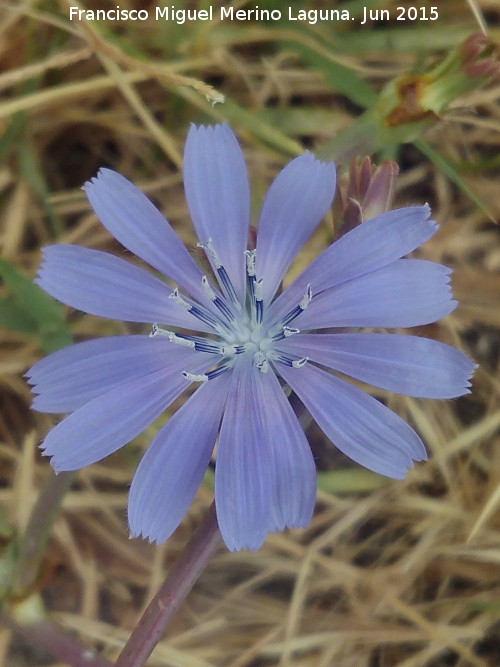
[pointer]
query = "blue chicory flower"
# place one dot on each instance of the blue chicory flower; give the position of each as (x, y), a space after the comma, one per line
(242, 344)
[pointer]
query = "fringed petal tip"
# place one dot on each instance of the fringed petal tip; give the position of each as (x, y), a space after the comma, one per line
(254, 544)
(249, 543)
(235, 547)
(37, 402)
(423, 213)
(46, 252)
(308, 156)
(211, 129)
(137, 533)
(104, 176)
(149, 533)
(469, 368)
(403, 468)
(55, 464)
(28, 375)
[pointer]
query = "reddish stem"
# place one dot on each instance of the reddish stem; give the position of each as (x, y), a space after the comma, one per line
(56, 642)
(172, 593)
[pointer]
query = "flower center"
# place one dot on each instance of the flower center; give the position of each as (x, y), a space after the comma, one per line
(236, 330)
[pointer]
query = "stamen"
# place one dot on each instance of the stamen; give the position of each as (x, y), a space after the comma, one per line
(258, 290)
(171, 335)
(305, 301)
(219, 303)
(210, 252)
(232, 350)
(219, 370)
(261, 361)
(178, 299)
(214, 346)
(181, 340)
(201, 314)
(289, 361)
(285, 332)
(208, 288)
(224, 280)
(192, 377)
(198, 311)
(155, 331)
(250, 258)
(290, 331)
(250, 262)
(259, 303)
(201, 344)
(227, 285)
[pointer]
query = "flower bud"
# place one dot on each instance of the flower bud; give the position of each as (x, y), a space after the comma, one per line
(367, 192)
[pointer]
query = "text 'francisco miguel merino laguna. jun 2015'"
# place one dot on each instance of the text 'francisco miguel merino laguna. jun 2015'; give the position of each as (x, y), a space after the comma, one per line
(230, 13)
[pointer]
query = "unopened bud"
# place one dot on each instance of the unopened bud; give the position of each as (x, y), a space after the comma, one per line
(367, 192)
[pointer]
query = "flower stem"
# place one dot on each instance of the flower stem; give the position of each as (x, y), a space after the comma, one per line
(172, 593)
(38, 531)
(49, 637)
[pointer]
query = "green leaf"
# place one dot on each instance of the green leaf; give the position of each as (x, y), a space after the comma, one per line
(416, 40)
(357, 480)
(30, 169)
(33, 305)
(492, 606)
(14, 129)
(450, 171)
(15, 318)
(6, 529)
(299, 121)
(8, 560)
(341, 78)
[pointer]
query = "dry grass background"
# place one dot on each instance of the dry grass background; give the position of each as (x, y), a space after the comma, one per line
(389, 573)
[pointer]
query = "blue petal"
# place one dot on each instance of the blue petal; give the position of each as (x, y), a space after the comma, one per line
(102, 284)
(113, 419)
(357, 424)
(297, 200)
(132, 219)
(407, 293)
(172, 468)
(370, 246)
(404, 364)
(216, 185)
(265, 479)
(75, 375)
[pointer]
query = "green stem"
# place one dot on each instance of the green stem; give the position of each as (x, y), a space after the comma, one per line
(357, 139)
(172, 593)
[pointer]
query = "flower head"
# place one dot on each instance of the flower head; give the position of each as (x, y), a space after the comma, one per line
(241, 344)
(409, 102)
